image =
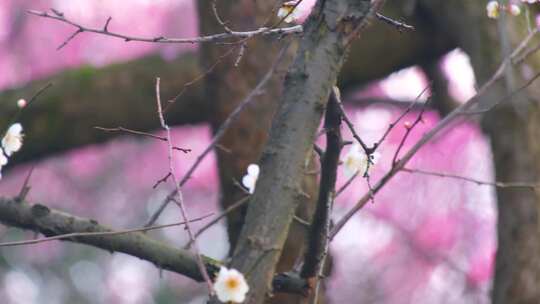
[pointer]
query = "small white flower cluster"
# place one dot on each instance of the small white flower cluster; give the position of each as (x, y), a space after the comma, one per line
(289, 11)
(11, 143)
(494, 9)
(357, 161)
(250, 179)
(231, 286)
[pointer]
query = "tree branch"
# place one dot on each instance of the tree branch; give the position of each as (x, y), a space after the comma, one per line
(498, 184)
(308, 84)
(398, 165)
(219, 134)
(52, 223)
(121, 94)
(320, 226)
(221, 37)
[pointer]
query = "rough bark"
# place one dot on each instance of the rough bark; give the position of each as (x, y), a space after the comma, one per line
(513, 128)
(327, 35)
(243, 141)
(51, 223)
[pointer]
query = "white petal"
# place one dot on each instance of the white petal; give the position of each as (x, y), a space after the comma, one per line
(355, 150)
(12, 141)
(15, 129)
(492, 9)
(3, 158)
(225, 292)
(289, 18)
(11, 144)
(253, 170)
(349, 171)
(248, 181)
(282, 12)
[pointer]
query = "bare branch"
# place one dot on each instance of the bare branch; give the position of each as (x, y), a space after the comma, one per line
(474, 180)
(350, 125)
(408, 130)
(218, 18)
(180, 199)
(221, 37)
(75, 235)
(400, 117)
(30, 101)
(441, 125)
(219, 134)
(214, 221)
(401, 26)
(51, 223)
(135, 132)
(320, 226)
(307, 87)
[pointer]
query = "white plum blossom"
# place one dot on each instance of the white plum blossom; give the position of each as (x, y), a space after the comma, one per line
(3, 161)
(514, 10)
(21, 103)
(357, 161)
(290, 10)
(492, 9)
(12, 141)
(230, 286)
(250, 179)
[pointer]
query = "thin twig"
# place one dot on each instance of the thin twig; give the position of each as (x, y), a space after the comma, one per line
(221, 131)
(218, 18)
(25, 189)
(31, 101)
(135, 132)
(180, 199)
(408, 130)
(347, 183)
(378, 143)
(350, 125)
(401, 26)
(411, 106)
(441, 125)
(221, 37)
(506, 97)
(214, 221)
(198, 78)
(474, 180)
(162, 180)
(107, 233)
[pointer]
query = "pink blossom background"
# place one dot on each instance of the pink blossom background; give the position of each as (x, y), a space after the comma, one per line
(424, 240)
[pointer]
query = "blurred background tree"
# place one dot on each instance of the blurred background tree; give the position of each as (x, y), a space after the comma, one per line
(99, 81)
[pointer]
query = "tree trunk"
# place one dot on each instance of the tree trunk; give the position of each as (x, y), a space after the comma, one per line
(327, 36)
(244, 139)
